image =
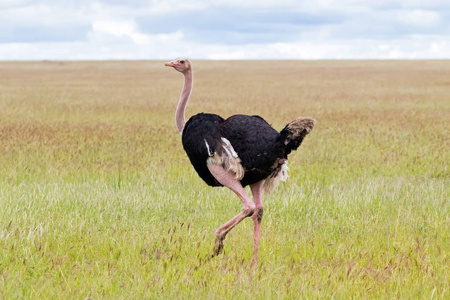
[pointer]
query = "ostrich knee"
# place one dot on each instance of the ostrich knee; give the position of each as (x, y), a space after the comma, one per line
(249, 209)
(258, 214)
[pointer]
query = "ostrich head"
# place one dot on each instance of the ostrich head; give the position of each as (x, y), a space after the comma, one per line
(181, 65)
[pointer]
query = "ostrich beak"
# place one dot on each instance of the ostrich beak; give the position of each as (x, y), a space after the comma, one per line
(170, 64)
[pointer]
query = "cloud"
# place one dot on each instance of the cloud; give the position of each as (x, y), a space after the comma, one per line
(219, 29)
(43, 15)
(110, 33)
(115, 31)
(419, 18)
(359, 49)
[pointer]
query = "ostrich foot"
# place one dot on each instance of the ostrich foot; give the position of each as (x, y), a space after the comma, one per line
(218, 247)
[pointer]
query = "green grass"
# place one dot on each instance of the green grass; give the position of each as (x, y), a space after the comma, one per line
(98, 200)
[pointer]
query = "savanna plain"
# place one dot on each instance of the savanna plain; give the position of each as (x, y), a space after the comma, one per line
(98, 199)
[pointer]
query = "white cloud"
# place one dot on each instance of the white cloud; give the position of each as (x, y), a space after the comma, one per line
(36, 15)
(12, 3)
(164, 47)
(419, 18)
(115, 28)
(171, 6)
(343, 49)
(112, 32)
(224, 29)
(115, 31)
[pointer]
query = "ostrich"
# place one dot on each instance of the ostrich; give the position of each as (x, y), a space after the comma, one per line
(235, 152)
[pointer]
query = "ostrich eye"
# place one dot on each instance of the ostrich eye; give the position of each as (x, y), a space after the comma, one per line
(182, 61)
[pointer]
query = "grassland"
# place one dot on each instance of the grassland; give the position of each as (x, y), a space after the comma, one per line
(98, 200)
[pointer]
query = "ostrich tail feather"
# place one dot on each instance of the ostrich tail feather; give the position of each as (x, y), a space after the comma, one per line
(295, 131)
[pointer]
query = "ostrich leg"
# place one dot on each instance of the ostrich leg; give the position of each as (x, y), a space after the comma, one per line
(227, 179)
(257, 217)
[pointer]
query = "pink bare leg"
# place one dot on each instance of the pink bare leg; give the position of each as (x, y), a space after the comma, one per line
(257, 218)
(227, 179)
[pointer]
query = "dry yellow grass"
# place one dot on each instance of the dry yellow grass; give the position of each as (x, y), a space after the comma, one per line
(123, 111)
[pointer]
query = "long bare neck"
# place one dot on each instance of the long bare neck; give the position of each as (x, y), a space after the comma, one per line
(184, 97)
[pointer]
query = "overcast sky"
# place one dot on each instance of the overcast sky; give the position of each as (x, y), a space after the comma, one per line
(224, 29)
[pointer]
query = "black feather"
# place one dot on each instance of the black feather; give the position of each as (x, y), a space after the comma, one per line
(254, 140)
(258, 145)
(200, 128)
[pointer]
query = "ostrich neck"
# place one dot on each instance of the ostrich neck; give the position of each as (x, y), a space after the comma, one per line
(184, 97)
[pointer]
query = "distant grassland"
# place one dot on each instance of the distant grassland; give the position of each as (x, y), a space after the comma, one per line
(98, 199)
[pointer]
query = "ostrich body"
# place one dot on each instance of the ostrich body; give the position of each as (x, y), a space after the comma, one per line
(235, 152)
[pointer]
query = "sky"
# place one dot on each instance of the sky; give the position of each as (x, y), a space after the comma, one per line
(224, 29)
